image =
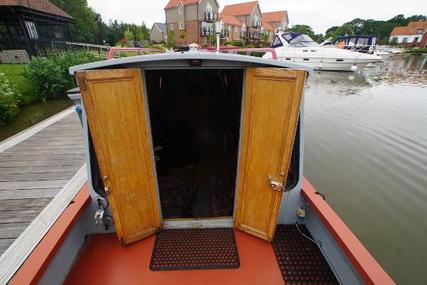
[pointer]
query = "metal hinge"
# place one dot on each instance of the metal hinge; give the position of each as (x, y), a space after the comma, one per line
(274, 183)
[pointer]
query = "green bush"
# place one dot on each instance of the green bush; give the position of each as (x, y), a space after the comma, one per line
(234, 43)
(9, 99)
(15, 74)
(46, 78)
(66, 60)
(49, 77)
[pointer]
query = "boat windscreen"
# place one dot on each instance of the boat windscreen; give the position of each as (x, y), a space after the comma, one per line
(301, 40)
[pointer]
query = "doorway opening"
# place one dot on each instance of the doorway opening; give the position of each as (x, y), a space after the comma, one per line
(195, 126)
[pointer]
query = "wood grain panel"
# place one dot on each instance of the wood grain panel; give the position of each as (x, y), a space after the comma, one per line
(114, 103)
(270, 116)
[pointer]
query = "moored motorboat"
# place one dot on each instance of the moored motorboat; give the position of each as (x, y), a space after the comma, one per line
(300, 49)
(195, 175)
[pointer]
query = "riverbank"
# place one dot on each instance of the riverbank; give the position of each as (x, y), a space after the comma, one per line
(31, 115)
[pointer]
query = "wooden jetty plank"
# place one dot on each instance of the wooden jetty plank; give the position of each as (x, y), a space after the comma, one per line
(39, 169)
(18, 215)
(34, 167)
(12, 230)
(35, 193)
(5, 243)
(17, 185)
(47, 176)
(25, 204)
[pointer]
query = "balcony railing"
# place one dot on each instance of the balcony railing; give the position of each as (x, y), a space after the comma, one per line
(204, 32)
(211, 16)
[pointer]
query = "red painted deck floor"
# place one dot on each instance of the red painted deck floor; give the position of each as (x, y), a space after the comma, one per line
(105, 261)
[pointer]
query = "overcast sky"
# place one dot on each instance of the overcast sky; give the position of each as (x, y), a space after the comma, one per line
(319, 14)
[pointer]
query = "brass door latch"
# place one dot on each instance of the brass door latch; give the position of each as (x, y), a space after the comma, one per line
(274, 183)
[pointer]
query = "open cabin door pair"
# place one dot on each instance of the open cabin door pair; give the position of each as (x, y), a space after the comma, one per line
(117, 115)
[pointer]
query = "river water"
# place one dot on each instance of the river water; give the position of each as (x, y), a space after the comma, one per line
(366, 150)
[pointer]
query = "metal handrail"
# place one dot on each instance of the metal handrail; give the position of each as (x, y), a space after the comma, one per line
(114, 50)
(246, 50)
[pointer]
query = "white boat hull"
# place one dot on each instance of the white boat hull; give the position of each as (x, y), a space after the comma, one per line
(322, 58)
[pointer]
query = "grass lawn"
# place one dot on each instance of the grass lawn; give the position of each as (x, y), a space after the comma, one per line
(14, 73)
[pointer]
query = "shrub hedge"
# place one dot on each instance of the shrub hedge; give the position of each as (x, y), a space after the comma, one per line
(42, 79)
(49, 77)
(9, 100)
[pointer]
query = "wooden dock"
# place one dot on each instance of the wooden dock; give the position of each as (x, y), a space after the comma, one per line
(34, 166)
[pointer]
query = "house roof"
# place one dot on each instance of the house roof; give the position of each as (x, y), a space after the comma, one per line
(239, 9)
(161, 27)
(230, 20)
(276, 16)
(44, 6)
(266, 25)
(174, 3)
(418, 24)
(403, 31)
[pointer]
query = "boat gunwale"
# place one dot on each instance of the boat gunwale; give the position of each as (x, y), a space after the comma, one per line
(35, 265)
(366, 265)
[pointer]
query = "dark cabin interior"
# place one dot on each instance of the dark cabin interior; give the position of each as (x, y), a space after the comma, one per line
(195, 125)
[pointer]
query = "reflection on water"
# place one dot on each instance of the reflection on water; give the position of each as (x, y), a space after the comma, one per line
(366, 150)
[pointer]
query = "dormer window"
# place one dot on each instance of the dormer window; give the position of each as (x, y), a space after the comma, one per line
(180, 10)
(255, 24)
(209, 8)
(209, 15)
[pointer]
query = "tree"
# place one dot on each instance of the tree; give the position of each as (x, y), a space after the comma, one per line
(305, 29)
(170, 40)
(129, 36)
(380, 29)
(84, 28)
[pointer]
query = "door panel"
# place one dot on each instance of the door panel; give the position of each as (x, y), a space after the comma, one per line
(115, 108)
(270, 115)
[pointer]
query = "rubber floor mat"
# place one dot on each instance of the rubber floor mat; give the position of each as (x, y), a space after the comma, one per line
(299, 258)
(185, 249)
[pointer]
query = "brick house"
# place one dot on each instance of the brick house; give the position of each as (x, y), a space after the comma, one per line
(158, 33)
(273, 22)
(232, 25)
(192, 21)
(249, 14)
(413, 35)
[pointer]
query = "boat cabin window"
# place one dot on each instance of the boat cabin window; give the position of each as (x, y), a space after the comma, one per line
(195, 118)
(300, 40)
(276, 42)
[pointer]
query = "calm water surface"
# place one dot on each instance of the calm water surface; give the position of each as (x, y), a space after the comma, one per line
(366, 150)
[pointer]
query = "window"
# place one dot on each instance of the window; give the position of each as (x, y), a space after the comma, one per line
(416, 39)
(405, 40)
(171, 27)
(419, 31)
(32, 31)
(255, 24)
(208, 8)
(180, 10)
(181, 26)
(276, 42)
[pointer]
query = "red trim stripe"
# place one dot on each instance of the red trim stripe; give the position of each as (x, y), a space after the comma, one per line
(362, 260)
(35, 265)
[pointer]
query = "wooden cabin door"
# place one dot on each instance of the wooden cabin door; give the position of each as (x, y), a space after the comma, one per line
(115, 106)
(270, 116)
